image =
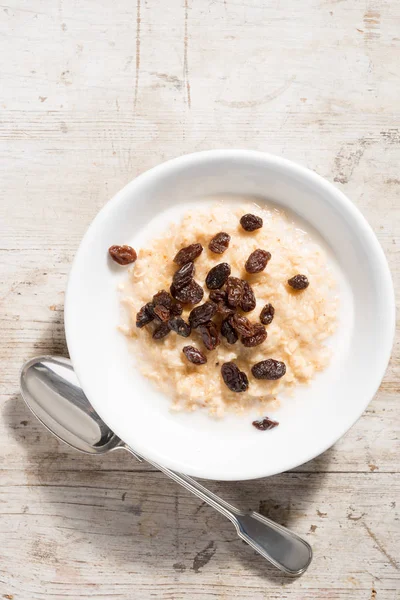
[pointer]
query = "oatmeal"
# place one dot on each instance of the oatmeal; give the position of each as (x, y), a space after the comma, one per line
(232, 331)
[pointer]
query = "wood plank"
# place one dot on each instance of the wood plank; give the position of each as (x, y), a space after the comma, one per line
(105, 534)
(92, 96)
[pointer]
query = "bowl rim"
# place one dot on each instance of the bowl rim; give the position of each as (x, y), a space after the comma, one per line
(314, 179)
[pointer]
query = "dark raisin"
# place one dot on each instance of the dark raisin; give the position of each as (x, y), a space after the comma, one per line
(194, 355)
(176, 309)
(218, 296)
(202, 314)
(180, 327)
(248, 299)
(265, 423)
(217, 276)
(161, 331)
(241, 325)
(299, 282)
(258, 336)
(209, 335)
(123, 255)
(219, 243)
(164, 299)
(269, 369)
(234, 379)
(228, 332)
(145, 315)
(183, 276)
(162, 312)
(191, 294)
(267, 314)
(234, 288)
(224, 310)
(188, 254)
(257, 261)
(251, 222)
(150, 309)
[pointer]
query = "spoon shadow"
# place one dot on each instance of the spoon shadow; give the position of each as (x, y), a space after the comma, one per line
(132, 513)
(137, 513)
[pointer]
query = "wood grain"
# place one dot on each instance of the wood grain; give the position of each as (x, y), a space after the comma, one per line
(92, 95)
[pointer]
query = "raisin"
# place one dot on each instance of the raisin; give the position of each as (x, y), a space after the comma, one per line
(161, 331)
(176, 309)
(202, 314)
(194, 355)
(224, 310)
(248, 299)
(220, 242)
(258, 336)
(218, 275)
(234, 379)
(191, 294)
(162, 312)
(241, 325)
(123, 255)
(251, 222)
(228, 332)
(234, 288)
(267, 314)
(180, 327)
(145, 315)
(183, 276)
(188, 254)
(269, 369)
(164, 299)
(218, 296)
(257, 261)
(265, 423)
(299, 282)
(209, 335)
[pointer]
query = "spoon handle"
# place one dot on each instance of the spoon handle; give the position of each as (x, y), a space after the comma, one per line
(280, 546)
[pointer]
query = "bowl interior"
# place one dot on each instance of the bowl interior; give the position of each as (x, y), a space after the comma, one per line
(230, 448)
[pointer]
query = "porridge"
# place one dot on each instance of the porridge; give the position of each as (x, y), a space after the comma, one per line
(229, 308)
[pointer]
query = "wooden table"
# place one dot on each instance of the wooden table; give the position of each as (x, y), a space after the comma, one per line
(93, 93)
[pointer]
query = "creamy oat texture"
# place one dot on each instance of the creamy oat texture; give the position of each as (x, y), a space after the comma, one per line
(302, 321)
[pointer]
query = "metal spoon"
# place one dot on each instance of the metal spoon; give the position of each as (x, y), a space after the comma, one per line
(51, 390)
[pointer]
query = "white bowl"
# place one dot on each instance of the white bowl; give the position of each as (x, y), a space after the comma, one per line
(195, 443)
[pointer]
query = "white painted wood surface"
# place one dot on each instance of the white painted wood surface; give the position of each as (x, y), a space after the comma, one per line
(93, 93)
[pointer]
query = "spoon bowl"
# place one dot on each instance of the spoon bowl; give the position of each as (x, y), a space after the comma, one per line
(52, 392)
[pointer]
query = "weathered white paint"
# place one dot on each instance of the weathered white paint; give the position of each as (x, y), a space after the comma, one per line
(94, 93)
